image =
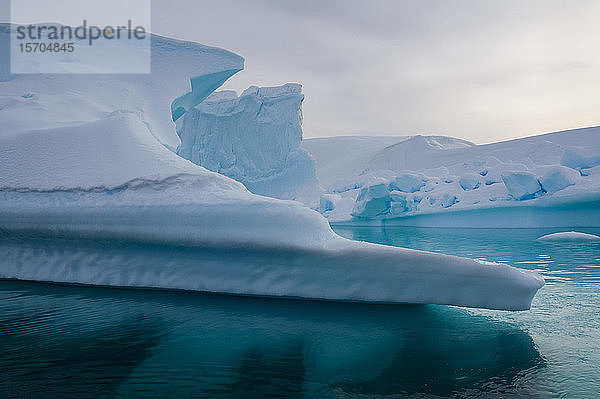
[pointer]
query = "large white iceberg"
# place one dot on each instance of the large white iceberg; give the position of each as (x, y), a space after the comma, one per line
(89, 195)
(550, 180)
(254, 138)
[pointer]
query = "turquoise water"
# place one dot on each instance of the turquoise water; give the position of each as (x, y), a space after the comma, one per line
(68, 341)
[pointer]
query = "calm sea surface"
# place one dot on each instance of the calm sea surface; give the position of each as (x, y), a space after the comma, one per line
(68, 341)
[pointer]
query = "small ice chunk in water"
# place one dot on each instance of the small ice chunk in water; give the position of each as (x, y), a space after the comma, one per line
(569, 236)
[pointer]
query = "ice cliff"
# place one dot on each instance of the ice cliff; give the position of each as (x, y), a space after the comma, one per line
(89, 195)
(254, 138)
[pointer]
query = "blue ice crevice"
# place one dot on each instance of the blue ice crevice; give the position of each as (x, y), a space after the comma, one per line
(202, 87)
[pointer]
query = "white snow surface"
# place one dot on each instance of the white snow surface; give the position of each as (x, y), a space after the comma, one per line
(345, 157)
(569, 236)
(80, 159)
(451, 176)
(39, 101)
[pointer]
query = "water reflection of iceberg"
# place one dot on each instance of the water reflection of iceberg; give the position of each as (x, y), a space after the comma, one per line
(221, 346)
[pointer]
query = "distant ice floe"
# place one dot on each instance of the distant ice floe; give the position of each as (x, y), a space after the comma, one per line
(569, 236)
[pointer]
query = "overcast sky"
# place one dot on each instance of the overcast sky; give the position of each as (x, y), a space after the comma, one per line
(479, 70)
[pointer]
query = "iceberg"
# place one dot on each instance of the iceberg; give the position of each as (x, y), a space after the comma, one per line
(372, 201)
(327, 202)
(569, 236)
(37, 101)
(202, 87)
(408, 183)
(549, 180)
(339, 171)
(558, 178)
(444, 200)
(522, 185)
(403, 203)
(92, 193)
(469, 181)
(416, 153)
(576, 159)
(254, 138)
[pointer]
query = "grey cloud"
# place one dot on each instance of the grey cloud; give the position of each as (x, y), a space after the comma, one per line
(481, 70)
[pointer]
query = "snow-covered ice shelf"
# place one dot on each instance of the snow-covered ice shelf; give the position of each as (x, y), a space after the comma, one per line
(546, 180)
